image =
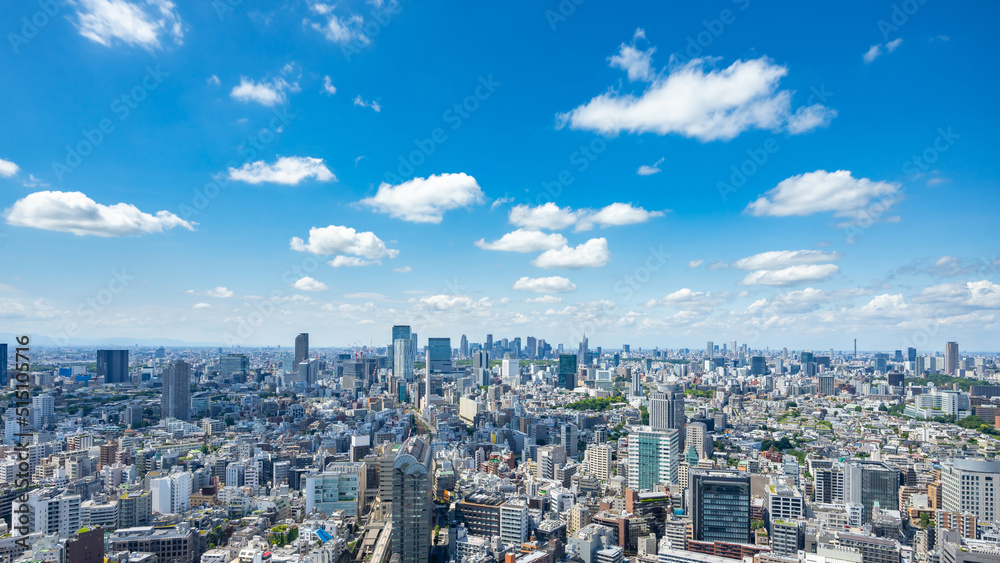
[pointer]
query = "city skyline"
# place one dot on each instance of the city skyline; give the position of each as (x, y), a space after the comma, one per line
(182, 190)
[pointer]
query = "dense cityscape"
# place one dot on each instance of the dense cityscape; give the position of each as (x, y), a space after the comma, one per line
(501, 450)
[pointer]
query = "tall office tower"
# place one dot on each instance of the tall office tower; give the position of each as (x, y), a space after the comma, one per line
(547, 458)
(112, 365)
(234, 364)
(399, 332)
(531, 347)
(510, 367)
(951, 358)
(897, 356)
(567, 371)
(301, 348)
(43, 410)
(698, 437)
(720, 506)
(439, 355)
(666, 411)
(583, 352)
(626, 349)
(569, 438)
(732, 348)
(416, 343)
(405, 484)
(636, 381)
(871, 482)
(404, 355)
(970, 486)
(826, 385)
(3, 364)
(652, 458)
(480, 360)
(911, 354)
(489, 343)
(881, 363)
(710, 349)
(758, 365)
(463, 347)
(175, 401)
(515, 347)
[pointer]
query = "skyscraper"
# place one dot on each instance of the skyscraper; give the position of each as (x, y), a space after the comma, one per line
(301, 348)
(567, 371)
(652, 458)
(409, 492)
(911, 354)
(404, 353)
(3, 364)
(489, 343)
(951, 358)
(698, 437)
(399, 332)
(710, 349)
(720, 506)
(463, 347)
(112, 365)
(439, 355)
(175, 402)
(666, 411)
(233, 364)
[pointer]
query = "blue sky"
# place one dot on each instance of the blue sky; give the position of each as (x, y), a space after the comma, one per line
(266, 169)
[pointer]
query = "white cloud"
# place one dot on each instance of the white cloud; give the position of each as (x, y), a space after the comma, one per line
(646, 170)
(403, 269)
(288, 170)
(792, 275)
(201, 306)
(132, 23)
(794, 302)
(697, 101)
(359, 101)
(351, 262)
(695, 263)
(615, 214)
(776, 259)
(213, 81)
(8, 168)
(33, 182)
(591, 254)
(821, 191)
(500, 201)
(339, 29)
(220, 292)
(337, 239)
(637, 63)
(366, 296)
(877, 50)
(689, 299)
(553, 284)
(424, 200)
(74, 212)
(328, 86)
(264, 93)
(523, 240)
(309, 284)
(547, 216)
(545, 299)
(982, 294)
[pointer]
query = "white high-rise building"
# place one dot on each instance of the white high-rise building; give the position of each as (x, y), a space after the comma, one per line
(405, 355)
(514, 521)
(42, 410)
(510, 367)
(51, 511)
(171, 494)
(971, 486)
(599, 461)
(652, 458)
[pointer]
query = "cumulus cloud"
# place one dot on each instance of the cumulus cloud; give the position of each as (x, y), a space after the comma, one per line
(698, 101)
(591, 254)
(615, 214)
(523, 240)
(424, 200)
(337, 239)
(689, 299)
(221, 292)
(646, 170)
(544, 299)
(266, 93)
(776, 259)
(546, 216)
(139, 23)
(403, 269)
(74, 212)
(552, 284)
(792, 275)
(981, 294)
(201, 306)
(309, 284)
(288, 170)
(637, 63)
(790, 303)
(695, 263)
(341, 261)
(328, 86)
(8, 168)
(818, 192)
